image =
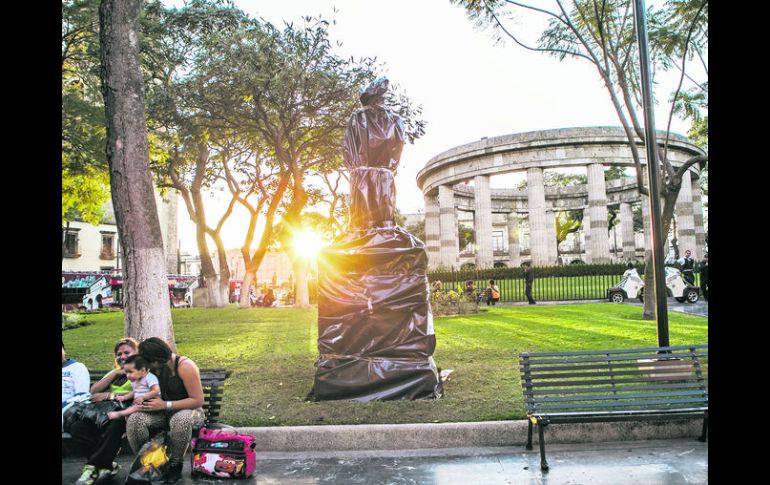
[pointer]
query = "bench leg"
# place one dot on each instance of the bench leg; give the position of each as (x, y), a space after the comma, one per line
(705, 428)
(540, 434)
(529, 435)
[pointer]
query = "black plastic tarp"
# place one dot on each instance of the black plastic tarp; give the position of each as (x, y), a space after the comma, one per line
(375, 327)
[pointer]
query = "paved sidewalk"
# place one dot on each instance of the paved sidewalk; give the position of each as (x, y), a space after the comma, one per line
(700, 308)
(678, 461)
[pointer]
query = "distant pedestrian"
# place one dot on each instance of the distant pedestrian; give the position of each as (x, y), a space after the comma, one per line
(470, 292)
(436, 286)
(704, 277)
(529, 279)
(688, 267)
(493, 293)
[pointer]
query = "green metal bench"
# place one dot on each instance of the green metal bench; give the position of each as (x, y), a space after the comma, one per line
(660, 383)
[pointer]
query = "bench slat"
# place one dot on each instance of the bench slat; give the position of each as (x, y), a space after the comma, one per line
(609, 381)
(604, 404)
(614, 397)
(603, 365)
(613, 351)
(609, 358)
(678, 370)
(693, 385)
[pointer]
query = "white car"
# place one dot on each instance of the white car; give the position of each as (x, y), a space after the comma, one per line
(632, 286)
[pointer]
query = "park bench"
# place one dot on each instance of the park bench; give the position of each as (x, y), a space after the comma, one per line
(660, 383)
(213, 381)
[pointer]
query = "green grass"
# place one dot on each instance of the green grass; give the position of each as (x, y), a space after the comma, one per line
(272, 351)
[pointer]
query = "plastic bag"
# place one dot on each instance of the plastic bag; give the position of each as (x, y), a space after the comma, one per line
(93, 412)
(151, 463)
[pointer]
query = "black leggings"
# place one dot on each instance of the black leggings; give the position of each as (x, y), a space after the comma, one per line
(101, 447)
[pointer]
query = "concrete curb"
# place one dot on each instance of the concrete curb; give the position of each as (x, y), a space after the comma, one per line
(458, 435)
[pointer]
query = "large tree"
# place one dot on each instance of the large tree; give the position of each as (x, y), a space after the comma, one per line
(184, 98)
(146, 302)
(601, 32)
(296, 97)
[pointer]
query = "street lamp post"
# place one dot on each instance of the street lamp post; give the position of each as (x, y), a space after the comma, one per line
(651, 146)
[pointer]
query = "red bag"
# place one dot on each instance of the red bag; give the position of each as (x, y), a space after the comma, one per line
(223, 453)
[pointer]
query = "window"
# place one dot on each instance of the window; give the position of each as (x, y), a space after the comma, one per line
(498, 245)
(108, 243)
(71, 244)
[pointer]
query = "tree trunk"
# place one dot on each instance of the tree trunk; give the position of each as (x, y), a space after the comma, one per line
(248, 279)
(213, 289)
(253, 262)
(145, 283)
(301, 295)
(649, 287)
(214, 295)
(224, 269)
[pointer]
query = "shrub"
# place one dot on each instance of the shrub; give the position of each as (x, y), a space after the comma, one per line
(73, 320)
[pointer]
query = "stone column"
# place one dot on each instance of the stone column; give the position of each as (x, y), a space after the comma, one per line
(432, 231)
(627, 231)
(450, 245)
(538, 232)
(599, 249)
(587, 256)
(514, 250)
(482, 223)
(685, 224)
(700, 231)
(550, 224)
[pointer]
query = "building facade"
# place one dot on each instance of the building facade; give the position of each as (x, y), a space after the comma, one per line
(512, 226)
(89, 247)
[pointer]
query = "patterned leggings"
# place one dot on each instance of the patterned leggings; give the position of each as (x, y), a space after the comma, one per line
(180, 426)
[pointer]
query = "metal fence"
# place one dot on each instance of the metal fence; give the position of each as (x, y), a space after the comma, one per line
(551, 283)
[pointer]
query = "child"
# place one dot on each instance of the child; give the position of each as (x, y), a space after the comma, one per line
(144, 383)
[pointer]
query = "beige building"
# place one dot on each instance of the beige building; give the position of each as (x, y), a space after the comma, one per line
(95, 247)
(274, 263)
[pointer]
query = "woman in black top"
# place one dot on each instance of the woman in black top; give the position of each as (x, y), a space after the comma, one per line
(180, 403)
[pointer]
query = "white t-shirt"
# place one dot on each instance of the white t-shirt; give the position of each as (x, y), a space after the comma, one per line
(143, 385)
(75, 380)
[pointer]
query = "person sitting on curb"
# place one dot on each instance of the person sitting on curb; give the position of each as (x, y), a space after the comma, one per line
(493, 293)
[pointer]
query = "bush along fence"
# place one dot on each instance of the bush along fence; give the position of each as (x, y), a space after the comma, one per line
(552, 283)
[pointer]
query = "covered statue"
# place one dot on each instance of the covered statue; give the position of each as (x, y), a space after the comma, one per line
(375, 326)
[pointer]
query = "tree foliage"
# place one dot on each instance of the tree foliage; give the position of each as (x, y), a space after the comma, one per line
(85, 183)
(602, 33)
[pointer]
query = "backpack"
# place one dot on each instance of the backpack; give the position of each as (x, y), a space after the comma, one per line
(223, 453)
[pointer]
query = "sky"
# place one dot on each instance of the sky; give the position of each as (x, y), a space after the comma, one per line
(468, 86)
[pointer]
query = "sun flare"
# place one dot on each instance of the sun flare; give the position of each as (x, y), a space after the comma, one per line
(308, 243)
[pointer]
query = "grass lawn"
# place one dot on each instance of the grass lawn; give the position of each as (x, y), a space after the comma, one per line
(271, 352)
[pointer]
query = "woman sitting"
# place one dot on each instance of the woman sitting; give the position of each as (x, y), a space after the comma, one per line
(103, 445)
(181, 400)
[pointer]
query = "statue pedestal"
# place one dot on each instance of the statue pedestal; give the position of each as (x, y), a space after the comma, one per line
(375, 327)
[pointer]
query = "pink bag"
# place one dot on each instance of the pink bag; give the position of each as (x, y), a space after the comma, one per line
(223, 453)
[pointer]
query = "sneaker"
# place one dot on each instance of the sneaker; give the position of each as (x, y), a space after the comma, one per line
(105, 474)
(88, 477)
(174, 473)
